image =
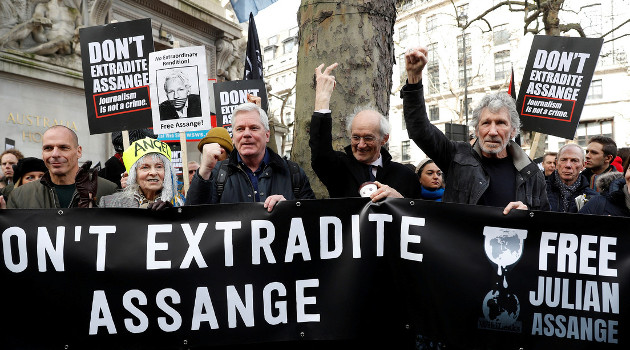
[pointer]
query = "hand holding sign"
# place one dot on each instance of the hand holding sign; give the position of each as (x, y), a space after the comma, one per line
(209, 158)
(254, 99)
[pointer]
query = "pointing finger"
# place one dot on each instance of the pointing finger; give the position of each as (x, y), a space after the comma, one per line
(330, 68)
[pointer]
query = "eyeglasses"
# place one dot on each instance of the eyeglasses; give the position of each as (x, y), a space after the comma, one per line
(366, 139)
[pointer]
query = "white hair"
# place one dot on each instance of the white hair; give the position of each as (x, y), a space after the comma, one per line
(169, 186)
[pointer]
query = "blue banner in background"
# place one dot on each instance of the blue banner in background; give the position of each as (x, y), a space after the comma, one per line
(243, 8)
(191, 136)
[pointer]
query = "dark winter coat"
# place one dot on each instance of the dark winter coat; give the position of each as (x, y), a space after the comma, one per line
(612, 202)
(554, 193)
(238, 188)
(342, 174)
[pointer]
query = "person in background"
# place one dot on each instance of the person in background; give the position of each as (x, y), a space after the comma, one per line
(600, 153)
(192, 169)
(220, 136)
(549, 163)
(567, 182)
(8, 159)
(615, 201)
(430, 177)
(152, 180)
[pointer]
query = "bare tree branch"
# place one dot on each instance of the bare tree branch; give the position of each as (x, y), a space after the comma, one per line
(617, 27)
(572, 26)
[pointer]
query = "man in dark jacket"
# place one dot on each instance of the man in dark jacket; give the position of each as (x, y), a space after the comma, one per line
(493, 171)
(613, 202)
(364, 160)
(566, 184)
(600, 153)
(254, 173)
(65, 185)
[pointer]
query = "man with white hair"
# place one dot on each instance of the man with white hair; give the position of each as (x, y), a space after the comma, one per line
(493, 171)
(180, 102)
(254, 173)
(365, 159)
(567, 182)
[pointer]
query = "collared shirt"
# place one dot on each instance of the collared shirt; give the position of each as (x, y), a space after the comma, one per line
(377, 163)
(255, 175)
(183, 113)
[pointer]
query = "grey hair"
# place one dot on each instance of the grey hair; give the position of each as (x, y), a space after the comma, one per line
(385, 127)
(496, 102)
(252, 107)
(575, 145)
(169, 186)
(177, 74)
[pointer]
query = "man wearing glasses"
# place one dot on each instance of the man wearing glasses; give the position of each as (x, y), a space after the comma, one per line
(365, 159)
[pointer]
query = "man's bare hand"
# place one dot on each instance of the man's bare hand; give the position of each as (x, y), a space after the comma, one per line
(325, 84)
(271, 201)
(384, 191)
(3, 203)
(255, 100)
(415, 60)
(514, 205)
(209, 158)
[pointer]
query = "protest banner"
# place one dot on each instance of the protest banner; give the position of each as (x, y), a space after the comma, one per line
(555, 83)
(116, 75)
(228, 95)
(179, 90)
(314, 274)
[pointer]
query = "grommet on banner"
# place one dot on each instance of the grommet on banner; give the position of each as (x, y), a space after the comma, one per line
(179, 210)
(407, 326)
(185, 342)
(66, 346)
(531, 214)
(60, 212)
(412, 203)
(297, 204)
(302, 334)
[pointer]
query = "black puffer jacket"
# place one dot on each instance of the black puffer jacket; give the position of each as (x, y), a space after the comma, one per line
(275, 179)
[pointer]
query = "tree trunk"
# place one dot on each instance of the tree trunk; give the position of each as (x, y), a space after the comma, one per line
(358, 35)
(551, 20)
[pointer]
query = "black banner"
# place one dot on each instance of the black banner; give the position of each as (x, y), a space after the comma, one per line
(229, 94)
(555, 83)
(313, 274)
(116, 75)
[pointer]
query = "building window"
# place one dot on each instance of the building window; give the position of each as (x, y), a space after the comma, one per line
(402, 33)
(288, 45)
(269, 53)
(404, 124)
(272, 40)
(502, 65)
(433, 69)
(434, 113)
(595, 90)
(294, 31)
(405, 151)
(587, 130)
(462, 107)
(431, 22)
(500, 34)
(464, 53)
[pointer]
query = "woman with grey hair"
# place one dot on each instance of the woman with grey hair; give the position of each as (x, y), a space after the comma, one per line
(152, 181)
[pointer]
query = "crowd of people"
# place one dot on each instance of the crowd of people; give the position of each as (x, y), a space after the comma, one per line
(492, 169)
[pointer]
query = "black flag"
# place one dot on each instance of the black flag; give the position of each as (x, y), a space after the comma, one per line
(253, 59)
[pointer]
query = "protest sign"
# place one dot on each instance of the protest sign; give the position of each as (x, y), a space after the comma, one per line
(314, 274)
(555, 83)
(228, 95)
(179, 90)
(116, 75)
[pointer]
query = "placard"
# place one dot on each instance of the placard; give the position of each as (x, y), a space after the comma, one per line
(116, 75)
(228, 95)
(555, 83)
(179, 90)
